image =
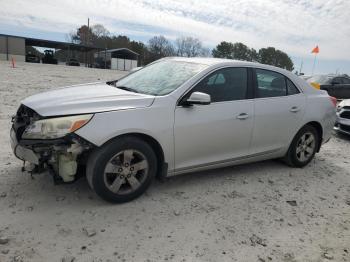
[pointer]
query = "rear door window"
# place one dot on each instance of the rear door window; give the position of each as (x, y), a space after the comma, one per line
(291, 88)
(270, 84)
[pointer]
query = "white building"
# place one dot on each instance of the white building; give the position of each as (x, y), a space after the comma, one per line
(119, 59)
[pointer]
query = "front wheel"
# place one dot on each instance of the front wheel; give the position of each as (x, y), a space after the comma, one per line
(303, 147)
(122, 170)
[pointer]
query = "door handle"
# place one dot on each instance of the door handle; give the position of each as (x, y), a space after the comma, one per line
(294, 109)
(242, 116)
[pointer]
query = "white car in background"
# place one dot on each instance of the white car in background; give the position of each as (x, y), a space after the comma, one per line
(342, 124)
(174, 116)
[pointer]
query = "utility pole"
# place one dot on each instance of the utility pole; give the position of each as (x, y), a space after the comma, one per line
(313, 66)
(87, 40)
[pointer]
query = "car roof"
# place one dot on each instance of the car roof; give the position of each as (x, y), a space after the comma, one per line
(208, 60)
(214, 63)
(217, 62)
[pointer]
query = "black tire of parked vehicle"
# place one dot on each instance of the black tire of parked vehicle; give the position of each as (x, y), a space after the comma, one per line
(101, 156)
(291, 158)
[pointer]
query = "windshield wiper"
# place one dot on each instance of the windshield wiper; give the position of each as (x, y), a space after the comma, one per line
(128, 89)
(112, 83)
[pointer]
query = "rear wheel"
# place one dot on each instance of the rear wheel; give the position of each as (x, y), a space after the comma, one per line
(122, 170)
(303, 147)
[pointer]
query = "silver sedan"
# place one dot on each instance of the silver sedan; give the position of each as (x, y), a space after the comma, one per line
(174, 116)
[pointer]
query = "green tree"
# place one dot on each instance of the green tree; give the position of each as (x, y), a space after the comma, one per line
(253, 55)
(237, 51)
(223, 50)
(241, 52)
(275, 57)
(141, 49)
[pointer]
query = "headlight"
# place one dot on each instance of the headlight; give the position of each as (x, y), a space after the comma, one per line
(55, 127)
(340, 106)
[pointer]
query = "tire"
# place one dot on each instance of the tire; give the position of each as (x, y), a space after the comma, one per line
(122, 169)
(298, 147)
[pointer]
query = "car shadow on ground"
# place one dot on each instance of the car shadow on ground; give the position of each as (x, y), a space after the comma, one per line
(342, 136)
(41, 188)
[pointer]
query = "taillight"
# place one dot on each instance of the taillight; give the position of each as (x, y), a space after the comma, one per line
(334, 100)
(315, 85)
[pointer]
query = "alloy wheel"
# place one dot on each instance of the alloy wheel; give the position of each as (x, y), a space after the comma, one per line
(305, 147)
(126, 171)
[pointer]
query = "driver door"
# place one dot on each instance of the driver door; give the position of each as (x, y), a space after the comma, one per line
(219, 132)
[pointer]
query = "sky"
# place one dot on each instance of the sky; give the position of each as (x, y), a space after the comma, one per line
(293, 26)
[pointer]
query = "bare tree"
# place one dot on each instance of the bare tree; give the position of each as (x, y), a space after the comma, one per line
(71, 37)
(205, 52)
(159, 47)
(190, 47)
(99, 31)
(180, 46)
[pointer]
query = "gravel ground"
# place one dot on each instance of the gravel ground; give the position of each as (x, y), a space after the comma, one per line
(257, 212)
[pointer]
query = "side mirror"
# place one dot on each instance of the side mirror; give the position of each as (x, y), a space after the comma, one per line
(198, 98)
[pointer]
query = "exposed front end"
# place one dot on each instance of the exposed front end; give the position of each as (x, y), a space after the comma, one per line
(49, 143)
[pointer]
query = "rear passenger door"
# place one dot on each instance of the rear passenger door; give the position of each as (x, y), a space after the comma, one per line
(279, 108)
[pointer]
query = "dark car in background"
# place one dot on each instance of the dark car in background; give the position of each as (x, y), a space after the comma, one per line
(31, 58)
(73, 62)
(336, 85)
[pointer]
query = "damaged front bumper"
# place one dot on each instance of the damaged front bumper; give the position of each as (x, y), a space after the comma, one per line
(60, 156)
(21, 152)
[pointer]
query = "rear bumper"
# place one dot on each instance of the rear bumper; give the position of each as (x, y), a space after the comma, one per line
(21, 152)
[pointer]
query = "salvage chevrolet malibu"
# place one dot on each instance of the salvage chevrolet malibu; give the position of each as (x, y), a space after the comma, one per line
(174, 116)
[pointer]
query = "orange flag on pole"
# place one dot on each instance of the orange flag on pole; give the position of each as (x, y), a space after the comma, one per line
(316, 50)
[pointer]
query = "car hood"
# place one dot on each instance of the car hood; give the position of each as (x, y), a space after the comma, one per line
(87, 98)
(345, 102)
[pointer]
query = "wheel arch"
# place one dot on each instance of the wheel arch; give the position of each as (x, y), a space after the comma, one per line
(158, 150)
(319, 130)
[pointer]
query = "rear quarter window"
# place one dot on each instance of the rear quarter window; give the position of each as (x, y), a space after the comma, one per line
(291, 88)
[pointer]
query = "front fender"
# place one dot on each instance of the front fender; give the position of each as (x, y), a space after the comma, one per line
(154, 122)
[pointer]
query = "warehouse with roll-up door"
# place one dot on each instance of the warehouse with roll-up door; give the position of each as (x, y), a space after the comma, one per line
(118, 59)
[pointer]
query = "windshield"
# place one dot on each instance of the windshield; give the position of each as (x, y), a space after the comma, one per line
(160, 78)
(321, 79)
